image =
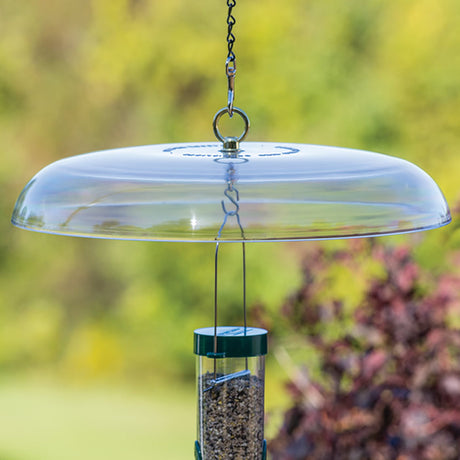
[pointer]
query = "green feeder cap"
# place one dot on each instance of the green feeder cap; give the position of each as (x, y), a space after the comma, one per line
(232, 342)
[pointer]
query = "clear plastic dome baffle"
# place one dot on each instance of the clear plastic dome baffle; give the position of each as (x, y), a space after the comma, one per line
(175, 192)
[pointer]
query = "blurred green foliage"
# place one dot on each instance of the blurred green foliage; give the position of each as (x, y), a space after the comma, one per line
(89, 75)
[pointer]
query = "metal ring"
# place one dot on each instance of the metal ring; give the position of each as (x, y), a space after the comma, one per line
(218, 116)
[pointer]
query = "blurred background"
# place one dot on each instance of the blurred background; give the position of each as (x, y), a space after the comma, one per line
(96, 336)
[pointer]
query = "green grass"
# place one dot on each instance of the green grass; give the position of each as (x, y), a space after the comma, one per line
(40, 421)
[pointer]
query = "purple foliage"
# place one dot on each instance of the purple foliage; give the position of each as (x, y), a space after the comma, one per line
(392, 385)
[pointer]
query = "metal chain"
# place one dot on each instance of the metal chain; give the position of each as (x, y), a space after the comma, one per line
(231, 21)
(230, 63)
(230, 71)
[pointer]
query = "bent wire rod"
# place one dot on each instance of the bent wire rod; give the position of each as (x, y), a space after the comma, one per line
(235, 213)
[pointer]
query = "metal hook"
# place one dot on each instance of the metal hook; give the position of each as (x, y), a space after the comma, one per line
(234, 201)
(230, 70)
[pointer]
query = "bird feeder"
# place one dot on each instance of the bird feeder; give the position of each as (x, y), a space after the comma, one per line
(230, 388)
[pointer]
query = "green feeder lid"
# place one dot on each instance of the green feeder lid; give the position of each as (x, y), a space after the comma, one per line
(232, 342)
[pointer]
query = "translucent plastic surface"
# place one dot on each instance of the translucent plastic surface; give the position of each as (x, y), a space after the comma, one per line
(174, 192)
(231, 407)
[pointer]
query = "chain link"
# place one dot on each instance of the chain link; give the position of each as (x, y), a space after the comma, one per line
(231, 21)
(230, 63)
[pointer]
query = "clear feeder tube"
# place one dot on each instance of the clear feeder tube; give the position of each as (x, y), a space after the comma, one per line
(230, 387)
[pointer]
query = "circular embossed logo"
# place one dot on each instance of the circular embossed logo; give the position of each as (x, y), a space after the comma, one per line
(214, 152)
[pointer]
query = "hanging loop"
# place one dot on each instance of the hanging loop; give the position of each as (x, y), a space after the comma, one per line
(218, 116)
